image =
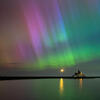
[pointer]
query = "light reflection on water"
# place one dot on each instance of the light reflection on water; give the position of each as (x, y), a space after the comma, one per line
(61, 85)
(80, 83)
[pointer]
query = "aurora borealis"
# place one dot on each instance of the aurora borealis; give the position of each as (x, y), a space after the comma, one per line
(49, 33)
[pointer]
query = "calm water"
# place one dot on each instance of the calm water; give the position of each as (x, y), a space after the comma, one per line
(50, 89)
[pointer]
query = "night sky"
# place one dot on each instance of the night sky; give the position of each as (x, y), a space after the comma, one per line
(49, 34)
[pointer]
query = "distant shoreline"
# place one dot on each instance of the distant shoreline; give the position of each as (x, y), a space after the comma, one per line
(44, 77)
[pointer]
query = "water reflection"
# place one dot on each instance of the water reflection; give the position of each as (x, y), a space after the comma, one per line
(80, 83)
(61, 85)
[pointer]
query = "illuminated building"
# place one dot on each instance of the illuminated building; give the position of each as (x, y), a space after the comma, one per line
(79, 74)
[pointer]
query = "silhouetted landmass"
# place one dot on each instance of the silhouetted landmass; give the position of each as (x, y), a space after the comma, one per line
(45, 77)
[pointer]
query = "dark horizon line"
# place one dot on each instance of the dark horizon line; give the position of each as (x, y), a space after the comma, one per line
(44, 77)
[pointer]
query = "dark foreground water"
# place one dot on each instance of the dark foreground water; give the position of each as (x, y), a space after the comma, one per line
(50, 89)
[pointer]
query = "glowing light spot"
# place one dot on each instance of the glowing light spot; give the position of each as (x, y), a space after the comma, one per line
(62, 70)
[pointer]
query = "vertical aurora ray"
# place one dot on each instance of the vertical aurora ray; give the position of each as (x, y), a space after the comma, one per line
(33, 29)
(42, 27)
(62, 34)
